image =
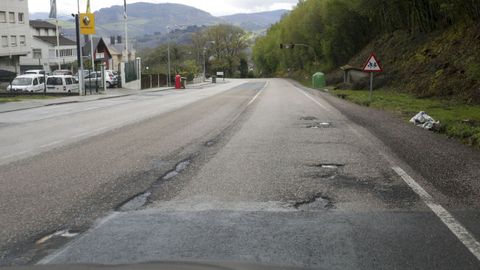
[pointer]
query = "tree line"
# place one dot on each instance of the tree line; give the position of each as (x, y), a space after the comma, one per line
(338, 29)
(217, 48)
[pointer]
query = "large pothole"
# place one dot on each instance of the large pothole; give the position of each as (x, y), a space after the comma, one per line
(316, 202)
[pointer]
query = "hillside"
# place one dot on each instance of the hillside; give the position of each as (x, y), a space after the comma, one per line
(148, 19)
(443, 63)
(255, 21)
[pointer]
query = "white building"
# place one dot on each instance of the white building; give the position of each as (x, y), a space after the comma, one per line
(44, 50)
(15, 37)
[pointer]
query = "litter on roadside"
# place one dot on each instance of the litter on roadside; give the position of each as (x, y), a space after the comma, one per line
(422, 119)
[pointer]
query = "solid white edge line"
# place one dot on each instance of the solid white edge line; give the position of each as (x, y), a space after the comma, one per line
(462, 234)
(313, 99)
(455, 227)
(258, 94)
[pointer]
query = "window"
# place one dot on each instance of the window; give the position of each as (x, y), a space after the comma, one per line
(37, 53)
(3, 17)
(23, 41)
(11, 16)
(54, 81)
(42, 79)
(21, 17)
(13, 41)
(35, 81)
(66, 52)
(68, 81)
(4, 41)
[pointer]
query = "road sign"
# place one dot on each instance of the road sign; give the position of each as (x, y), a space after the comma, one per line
(87, 24)
(372, 64)
(220, 73)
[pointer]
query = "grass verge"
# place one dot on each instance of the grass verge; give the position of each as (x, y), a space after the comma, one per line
(22, 98)
(457, 120)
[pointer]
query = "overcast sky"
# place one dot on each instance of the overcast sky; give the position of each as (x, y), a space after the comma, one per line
(215, 7)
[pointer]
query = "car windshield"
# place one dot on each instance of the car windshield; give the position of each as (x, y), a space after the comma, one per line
(22, 81)
(240, 134)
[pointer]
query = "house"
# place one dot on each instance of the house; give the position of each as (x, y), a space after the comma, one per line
(117, 50)
(353, 74)
(15, 38)
(101, 53)
(44, 50)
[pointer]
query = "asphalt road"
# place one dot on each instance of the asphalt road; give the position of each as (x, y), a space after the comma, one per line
(257, 171)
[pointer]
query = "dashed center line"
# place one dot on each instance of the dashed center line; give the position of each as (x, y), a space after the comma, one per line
(258, 94)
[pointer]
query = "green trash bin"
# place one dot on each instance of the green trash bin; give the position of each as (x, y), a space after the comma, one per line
(318, 80)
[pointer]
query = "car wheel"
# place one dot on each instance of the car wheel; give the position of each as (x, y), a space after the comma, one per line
(109, 85)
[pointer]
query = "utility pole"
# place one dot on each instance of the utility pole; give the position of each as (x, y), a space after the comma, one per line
(168, 52)
(57, 51)
(79, 53)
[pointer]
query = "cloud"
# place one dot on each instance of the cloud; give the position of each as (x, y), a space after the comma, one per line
(218, 7)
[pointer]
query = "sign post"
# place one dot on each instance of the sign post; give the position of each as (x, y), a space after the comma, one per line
(372, 65)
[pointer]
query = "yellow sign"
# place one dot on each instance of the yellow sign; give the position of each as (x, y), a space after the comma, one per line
(87, 23)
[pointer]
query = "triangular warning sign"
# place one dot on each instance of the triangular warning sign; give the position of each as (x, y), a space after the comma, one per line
(372, 65)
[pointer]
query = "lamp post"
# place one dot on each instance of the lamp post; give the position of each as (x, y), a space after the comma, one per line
(205, 59)
(168, 52)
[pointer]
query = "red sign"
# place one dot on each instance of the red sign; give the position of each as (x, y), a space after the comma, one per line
(372, 64)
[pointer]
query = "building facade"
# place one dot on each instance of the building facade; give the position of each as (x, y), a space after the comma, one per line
(15, 37)
(44, 51)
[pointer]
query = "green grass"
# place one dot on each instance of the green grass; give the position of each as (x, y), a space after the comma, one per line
(457, 120)
(22, 98)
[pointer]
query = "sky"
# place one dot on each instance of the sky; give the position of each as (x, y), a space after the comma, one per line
(215, 7)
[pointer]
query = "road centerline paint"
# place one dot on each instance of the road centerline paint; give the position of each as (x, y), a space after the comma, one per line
(258, 94)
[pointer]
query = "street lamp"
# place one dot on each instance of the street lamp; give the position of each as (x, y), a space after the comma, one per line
(168, 49)
(205, 59)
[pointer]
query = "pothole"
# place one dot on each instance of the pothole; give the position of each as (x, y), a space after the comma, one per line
(318, 201)
(178, 169)
(308, 118)
(136, 202)
(140, 200)
(210, 143)
(58, 234)
(331, 166)
(319, 125)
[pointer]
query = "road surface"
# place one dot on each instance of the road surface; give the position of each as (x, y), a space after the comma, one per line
(258, 171)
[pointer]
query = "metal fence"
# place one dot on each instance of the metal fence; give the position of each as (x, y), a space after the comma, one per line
(130, 71)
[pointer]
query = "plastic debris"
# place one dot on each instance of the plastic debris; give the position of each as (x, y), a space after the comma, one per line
(422, 119)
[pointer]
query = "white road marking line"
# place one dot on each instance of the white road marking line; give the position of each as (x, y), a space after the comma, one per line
(14, 155)
(462, 234)
(51, 144)
(81, 135)
(455, 227)
(313, 99)
(258, 94)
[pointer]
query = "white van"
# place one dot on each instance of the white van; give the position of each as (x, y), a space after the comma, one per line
(35, 72)
(27, 83)
(62, 83)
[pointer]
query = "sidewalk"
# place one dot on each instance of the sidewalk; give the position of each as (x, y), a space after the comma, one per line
(111, 93)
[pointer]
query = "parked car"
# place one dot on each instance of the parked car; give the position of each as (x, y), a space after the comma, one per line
(27, 83)
(35, 72)
(62, 72)
(62, 83)
(110, 78)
